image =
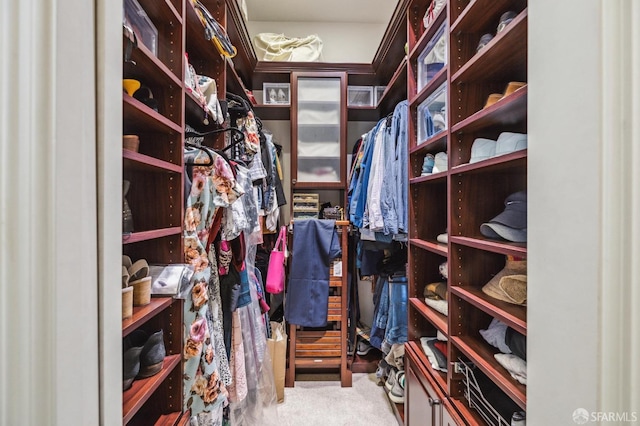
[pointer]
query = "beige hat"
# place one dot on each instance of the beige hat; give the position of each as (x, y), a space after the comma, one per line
(515, 288)
(512, 267)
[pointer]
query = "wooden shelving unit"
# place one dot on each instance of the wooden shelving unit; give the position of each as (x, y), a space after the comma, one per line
(155, 173)
(460, 199)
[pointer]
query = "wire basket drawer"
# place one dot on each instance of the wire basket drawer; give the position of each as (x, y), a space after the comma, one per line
(477, 391)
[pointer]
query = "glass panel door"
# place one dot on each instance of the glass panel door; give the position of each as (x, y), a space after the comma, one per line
(319, 128)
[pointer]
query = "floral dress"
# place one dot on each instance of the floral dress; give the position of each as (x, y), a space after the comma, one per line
(206, 367)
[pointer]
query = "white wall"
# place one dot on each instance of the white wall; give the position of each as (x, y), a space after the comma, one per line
(564, 245)
(342, 42)
(49, 325)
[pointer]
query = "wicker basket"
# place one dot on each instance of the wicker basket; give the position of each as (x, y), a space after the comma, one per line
(127, 302)
(141, 291)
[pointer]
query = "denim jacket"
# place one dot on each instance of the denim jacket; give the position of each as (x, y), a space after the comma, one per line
(399, 133)
(359, 199)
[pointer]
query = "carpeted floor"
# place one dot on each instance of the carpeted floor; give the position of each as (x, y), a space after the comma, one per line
(325, 403)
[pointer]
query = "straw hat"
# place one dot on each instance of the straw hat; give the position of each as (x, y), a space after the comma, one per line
(514, 288)
(511, 268)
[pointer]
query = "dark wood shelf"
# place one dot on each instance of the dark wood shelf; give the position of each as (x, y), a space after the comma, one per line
(137, 237)
(161, 11)
(140, 162)
(507, 111)
(235, 84)
(514, 316)
(365, 363)
(512, 161)
(170, 419)
(362, 113)
(482, 356)
(273, 111)
(428, 178)
(434, 317)
(501, 247)
(138, 116)
(469, 414)
(435, 143)
(473, 17)
(142, 314)
(431, 246)
(428, 35)
(134, 398)
(505, 53)
(149, 68)
(439, 377)
(396, 90)
(430, 87)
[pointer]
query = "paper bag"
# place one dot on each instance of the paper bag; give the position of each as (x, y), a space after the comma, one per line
(277, 345)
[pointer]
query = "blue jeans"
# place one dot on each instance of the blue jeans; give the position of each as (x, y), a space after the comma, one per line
(380, 312)
(396, 331)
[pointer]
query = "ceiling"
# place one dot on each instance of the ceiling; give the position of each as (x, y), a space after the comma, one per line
(360, 11)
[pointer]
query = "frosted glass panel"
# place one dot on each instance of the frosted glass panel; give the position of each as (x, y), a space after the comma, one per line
(319, 89)
(318, 130)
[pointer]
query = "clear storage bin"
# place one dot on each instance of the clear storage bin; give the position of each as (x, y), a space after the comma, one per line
(276, 93)
(433, 58)
(360, 96)
(137, 19)
(432, 114)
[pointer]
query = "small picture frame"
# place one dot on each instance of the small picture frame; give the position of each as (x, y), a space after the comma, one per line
(276, 93)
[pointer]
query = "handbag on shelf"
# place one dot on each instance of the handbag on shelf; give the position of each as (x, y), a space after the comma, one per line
(275, 271)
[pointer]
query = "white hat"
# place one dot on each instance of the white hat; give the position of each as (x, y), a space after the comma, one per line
(482, 149)
(510, 142)
(441, 163)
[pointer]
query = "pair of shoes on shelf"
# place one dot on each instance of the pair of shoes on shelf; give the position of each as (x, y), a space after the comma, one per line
(364, 347)
(127, 216)
(505, 19)
(395, 386)
(143, 356)
(382, 372)
(136, 276)
(279, 97)
(511, 87)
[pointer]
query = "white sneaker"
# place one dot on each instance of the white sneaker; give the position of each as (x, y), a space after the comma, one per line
(391, 379)
(363, 347)
(396, 393)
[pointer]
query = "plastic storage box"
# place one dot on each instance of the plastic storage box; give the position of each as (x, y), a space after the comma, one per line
(378, 92)
(432, 114)
(137, 19)
(276, 93)
(433, 58)
(360, 96)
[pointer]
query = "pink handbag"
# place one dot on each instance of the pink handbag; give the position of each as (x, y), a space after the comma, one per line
(275, 272)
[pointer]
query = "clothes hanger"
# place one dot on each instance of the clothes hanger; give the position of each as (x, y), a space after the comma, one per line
(203, 149)
(237, 132)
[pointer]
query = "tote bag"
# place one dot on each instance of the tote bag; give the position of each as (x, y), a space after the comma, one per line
(275, 272)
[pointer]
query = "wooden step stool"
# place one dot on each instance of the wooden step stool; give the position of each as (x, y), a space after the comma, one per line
(326, 348)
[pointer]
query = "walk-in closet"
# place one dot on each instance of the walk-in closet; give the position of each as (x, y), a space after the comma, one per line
(323, 213)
